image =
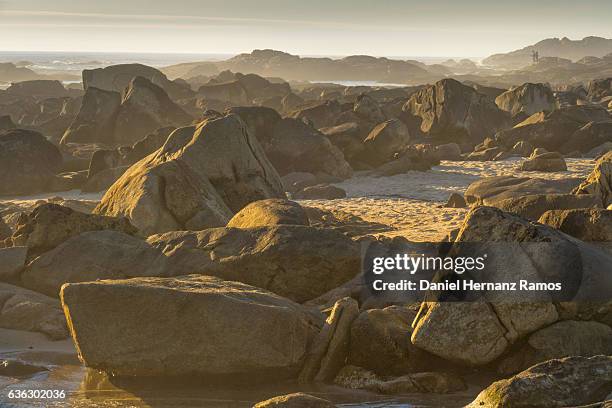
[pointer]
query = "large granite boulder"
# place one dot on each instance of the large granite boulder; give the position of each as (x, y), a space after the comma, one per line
(91, 256)
(321, 115)
(586, 224)
(568, 382)
(28, 162)
(348, 137)
(48, 225)
(95, 122)
(528, 98)
(532, 206)
(380, 341)
(273, 211)
(38, 89)
(589, 137)
(368, 109)
(553, 129)
(292, 145)
(599, 181)
(562, 339)
(294, 261)
(460, 331)
(12, 262)
(191, 325)
(232, 92)
(453, 112)
(195, 181)
(144, 108)
(22, 309)
(488, 190)
(117, 78)
(6, 123)
(387, 139)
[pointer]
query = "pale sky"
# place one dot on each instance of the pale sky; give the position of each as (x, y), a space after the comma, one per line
(309, 27)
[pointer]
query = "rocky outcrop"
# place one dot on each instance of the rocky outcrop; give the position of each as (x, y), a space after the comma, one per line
(548, 161)
(555, 383)
(320, 192)
(552, 130)
(195, 180)
(562, 339)
(384, 141)
(22, 309)
(95, 122)
(197, 326)
(117, 78)
(368, 109)
(321, 115)
(380, 341)
(12, 262)
(532, 206)
(293, 261)
(488, 190)
(144, 108)
(348, 137)
(599, 181)
(589, 136)
(268, 213)
(293, 145)
(451, 111)
(586, 224)
(28, 162)
(491, 323)
(49, 225)
(38, 89)
(528, 98)
(6, 123)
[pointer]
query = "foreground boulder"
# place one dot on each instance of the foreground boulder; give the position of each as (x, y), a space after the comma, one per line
(453, 112)
(28, 162)
(196, 326)
(51, 224)
(294, 261)
(22, 309)
(493, 322)
(568, 382)
(528, 98)
(599, 181)
(269, 212)
(196, 180)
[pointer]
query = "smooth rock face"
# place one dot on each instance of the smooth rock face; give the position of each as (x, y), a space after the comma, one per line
(586, 224)
(51, 224)
(274, 211)
(562, 339)
(95, 122)
(195, 180)
(294, 261)
(489, 190)
(449, 109)
(568, 382)
(296, 400)
(12, 262)
(532, 206)
(368, 109)
(385, 140)
(528, 98)
(380, 341)
(22, 309)
(197, 326)
(467, 333)
(28, 162)
(599, 182)
(144, 108)
(91, 256)
(590, 136)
